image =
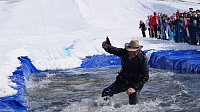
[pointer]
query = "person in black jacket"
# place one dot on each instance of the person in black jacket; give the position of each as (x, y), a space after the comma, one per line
(134, 71)
(143, 28)
(198, 26)
(193, 29)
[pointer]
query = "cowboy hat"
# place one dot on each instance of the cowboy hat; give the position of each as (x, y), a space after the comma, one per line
(133, 46)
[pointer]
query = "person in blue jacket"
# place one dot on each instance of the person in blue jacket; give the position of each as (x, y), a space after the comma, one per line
(134, 71)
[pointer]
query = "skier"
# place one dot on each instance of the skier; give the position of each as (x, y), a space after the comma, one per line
(134, 71)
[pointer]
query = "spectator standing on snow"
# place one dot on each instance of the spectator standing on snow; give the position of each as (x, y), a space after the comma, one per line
(143, 28)
(151, 26)
(168, 28)
(147, 25)
(159, 25)
(164, 27)
(177, 28)
(178, 13)
(134, 71)
(198, 27)
(186, 22)
(155, 24)
(181, 32)
(192, 27)
(190, 10)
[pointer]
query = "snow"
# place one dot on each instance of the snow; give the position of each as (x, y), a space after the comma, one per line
(58, 34)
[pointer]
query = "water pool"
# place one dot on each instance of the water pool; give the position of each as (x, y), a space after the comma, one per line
(79, 90)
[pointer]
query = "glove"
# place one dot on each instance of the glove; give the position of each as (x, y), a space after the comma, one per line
(108, 41)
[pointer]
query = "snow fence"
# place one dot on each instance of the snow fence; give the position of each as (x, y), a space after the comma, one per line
(184, 61)
(16, 103)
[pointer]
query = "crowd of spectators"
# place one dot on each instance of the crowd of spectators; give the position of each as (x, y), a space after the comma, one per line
(181, 27)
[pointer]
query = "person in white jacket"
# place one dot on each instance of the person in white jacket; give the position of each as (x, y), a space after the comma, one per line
(147, 25)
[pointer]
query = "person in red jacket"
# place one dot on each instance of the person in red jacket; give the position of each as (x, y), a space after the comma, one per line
(151, 27)
(186, 21)
(155, 24)
(178, 13)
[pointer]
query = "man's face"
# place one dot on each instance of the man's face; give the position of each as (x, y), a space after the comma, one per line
(132, 54)
(185, 15)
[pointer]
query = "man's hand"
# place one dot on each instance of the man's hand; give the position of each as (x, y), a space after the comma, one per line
(104, 44)
(130, 91)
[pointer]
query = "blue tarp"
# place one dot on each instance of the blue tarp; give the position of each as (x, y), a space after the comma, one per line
(16, 103)
(184, 61)
(101, 61)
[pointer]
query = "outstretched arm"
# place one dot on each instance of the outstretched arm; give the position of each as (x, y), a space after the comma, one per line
(113, 50)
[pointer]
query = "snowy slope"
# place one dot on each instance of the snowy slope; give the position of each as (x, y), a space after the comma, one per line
(58, 34)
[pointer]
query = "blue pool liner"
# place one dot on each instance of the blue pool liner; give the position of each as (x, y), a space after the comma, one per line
(17, 102)
(184, 61)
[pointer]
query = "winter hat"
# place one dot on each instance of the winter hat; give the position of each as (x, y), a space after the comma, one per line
(185, 12)
(133, 45)
(154, 13)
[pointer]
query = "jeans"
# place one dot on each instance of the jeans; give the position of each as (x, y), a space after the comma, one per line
(118, 87)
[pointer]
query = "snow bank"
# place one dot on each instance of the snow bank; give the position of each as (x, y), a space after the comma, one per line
(9, 64)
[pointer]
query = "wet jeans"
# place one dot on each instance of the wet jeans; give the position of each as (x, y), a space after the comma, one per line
(118, 87)
(134, 98)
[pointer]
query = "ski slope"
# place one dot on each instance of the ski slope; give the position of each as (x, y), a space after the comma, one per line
(58, 34)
